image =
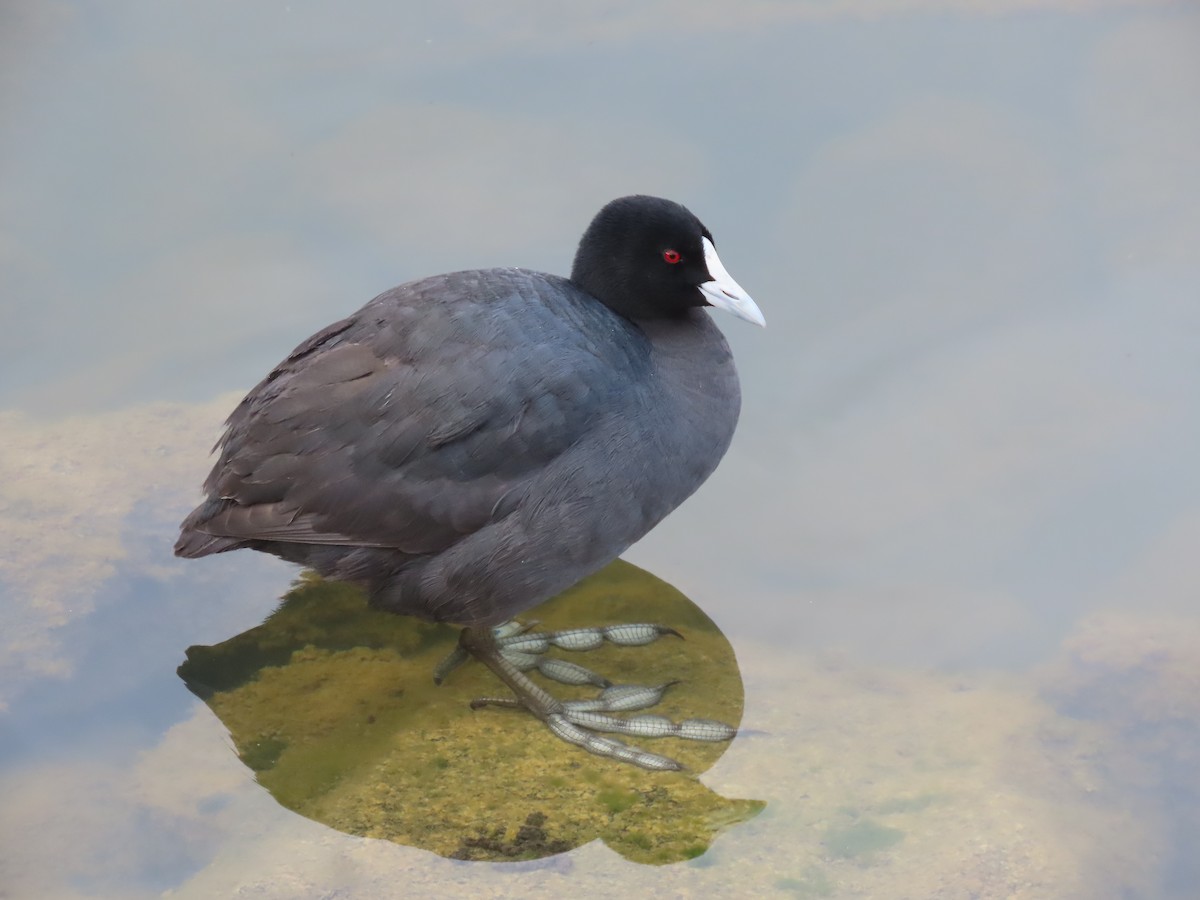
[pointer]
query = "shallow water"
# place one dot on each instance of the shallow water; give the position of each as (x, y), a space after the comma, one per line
(952, 548)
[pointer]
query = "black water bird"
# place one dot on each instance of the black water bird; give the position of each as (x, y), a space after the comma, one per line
(472, 444)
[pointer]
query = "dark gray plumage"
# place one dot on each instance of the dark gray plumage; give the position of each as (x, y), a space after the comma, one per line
(471, 444)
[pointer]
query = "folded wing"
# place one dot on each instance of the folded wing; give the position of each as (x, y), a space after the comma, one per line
(415, 422)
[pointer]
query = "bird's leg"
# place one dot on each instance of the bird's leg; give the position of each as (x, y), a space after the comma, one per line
(510, 649)
(459, 654)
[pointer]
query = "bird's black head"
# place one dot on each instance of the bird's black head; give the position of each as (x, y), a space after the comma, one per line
(649, 258)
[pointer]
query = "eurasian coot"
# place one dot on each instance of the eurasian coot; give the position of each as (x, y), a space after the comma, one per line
(472, 444)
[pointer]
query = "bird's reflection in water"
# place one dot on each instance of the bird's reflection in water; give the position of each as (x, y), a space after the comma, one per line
(333, 706)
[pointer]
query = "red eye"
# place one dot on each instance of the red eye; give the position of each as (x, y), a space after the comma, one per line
(671, 256)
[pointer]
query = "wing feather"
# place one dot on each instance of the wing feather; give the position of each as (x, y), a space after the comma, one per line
(420, 419)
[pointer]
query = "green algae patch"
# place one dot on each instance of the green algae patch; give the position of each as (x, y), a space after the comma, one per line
(617, 801)
(333, 706)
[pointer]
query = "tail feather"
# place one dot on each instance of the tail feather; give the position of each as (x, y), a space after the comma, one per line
(194, 542)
